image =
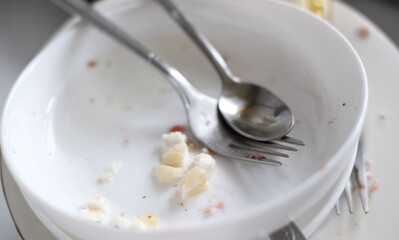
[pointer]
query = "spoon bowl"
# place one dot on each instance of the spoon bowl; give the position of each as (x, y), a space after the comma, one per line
(255, 112)
(250, 110)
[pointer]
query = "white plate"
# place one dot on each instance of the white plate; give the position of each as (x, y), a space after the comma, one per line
(380, 59)
(23, 212)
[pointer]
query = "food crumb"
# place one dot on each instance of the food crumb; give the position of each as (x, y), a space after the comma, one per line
(92, 63)
(181, 204)
(258, 157)
(121, 222)
(110, 173)
(220, 205)
(205, 150)
(177, 128)
(191, 146)
(144, 196)
(369, 176)
(322, 167)
(125, 142)
(343, 104)
(374, 187)
(209, 211)
(363, 32)
(226, 57)
(382, 115)
(95, 208)
(368, 164)
(145, 221)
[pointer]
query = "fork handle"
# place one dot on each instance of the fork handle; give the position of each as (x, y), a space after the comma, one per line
(203, 43)
(186, 91)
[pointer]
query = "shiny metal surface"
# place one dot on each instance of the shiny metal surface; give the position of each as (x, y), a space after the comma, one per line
(359, 180)
(249, 109)
(201, 109)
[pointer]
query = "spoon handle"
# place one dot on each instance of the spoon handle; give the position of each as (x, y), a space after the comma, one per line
(186, 91)
(204, 44)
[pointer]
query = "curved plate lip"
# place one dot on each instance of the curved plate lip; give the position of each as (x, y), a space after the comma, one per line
(239, 217)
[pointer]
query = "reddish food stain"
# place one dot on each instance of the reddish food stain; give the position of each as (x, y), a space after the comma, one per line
(125, 142)
(149, 216)
(374, 187)
(192, 146)
(182, 204)
(177, 128)
(226, 57)
(92, 63)
(220, 205)
(258, 157)
(322, 167)
(368, 164)
(363, 32)
(369, 176)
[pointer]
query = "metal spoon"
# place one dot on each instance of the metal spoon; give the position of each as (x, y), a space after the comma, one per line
(249, 109)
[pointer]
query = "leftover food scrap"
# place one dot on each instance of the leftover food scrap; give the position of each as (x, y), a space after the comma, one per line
(95, 209)
(176, 164)
(110, 173)
(143, 222)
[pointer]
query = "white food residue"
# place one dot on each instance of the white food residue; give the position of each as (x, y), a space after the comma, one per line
(110, 173)
(176, 164)
(121, 222)
(176, 156)
(166, 173)
(95, 208)
(206, 162)
(209, 211)
(145, 221)
(169, 140)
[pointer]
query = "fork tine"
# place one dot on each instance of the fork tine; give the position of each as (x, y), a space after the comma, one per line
(269, 144)
(242, 154)
(337, 208)
(246, 146)
(361, 179)
(291, 140)
(267, 161)
(348, 195)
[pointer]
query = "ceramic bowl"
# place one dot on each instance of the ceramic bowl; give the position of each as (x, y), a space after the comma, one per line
(85, 102)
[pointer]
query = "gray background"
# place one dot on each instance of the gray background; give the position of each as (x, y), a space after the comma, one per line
(25, 25)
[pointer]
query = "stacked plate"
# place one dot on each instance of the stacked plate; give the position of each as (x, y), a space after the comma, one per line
(85, 102)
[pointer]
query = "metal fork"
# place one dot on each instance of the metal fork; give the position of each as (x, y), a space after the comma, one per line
(358, 178)
(204, 121)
